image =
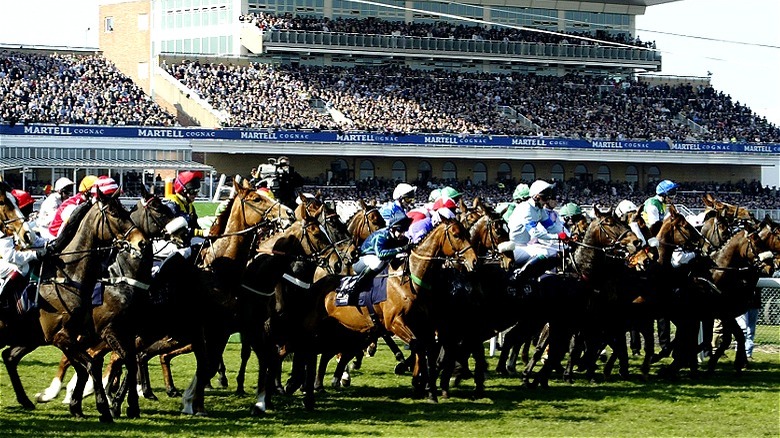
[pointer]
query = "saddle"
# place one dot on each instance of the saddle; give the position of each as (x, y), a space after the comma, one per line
(346, 295)
(18, 292)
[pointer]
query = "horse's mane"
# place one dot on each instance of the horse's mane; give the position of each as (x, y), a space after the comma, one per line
(221, 221)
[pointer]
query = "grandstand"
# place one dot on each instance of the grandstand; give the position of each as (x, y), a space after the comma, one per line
(355, 90)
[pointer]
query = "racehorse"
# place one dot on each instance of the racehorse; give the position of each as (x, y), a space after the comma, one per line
(364, 222)
(204, 301)
(588, 300)
(66, 289)
(266, 318)
(12, 221)
(411, 296)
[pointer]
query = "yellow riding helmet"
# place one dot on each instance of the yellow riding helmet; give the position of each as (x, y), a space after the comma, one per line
(87, 182)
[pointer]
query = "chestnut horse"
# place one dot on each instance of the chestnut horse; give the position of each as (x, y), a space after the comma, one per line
(411, 297)
(12, 221)
(364, 222)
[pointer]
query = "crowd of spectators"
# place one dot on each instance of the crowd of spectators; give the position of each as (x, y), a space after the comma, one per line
(87, 89)
(401, 100)
(72, 89)
(751, 195)
(439, 29)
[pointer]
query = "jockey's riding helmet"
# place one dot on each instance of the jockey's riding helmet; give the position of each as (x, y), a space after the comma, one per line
(435, 194)
(451, 193)
(86, 183)
(62, 183)
(624, 207)
(404, 190)
(570, 209)
(106, 185)
(23, 199)
(187, 182)
(540, 187)
(665, 187)
(522, 191)
(400, 221)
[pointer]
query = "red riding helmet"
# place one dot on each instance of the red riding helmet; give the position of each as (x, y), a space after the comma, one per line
(23, 199)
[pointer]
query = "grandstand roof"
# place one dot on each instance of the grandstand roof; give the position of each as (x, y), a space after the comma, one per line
(632, 2)
(20, 163)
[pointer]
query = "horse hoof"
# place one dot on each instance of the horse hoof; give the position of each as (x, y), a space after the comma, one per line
(445, 394)
(201, 414)
(106, 418)
(256, 412)
(151, 396)
(346, 382)
(223, 382)
(290, 389)
(401, 369)
(502, 371)
(308, 405)
(133, 413)
(432, 398)
(174, 393)
(240, 392)
(116, 412)
(27, 404)
(319, 389)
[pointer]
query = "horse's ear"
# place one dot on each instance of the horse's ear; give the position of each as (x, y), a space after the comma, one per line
(318, 195)
(709, 201)
(145, 192)
(302, 198)
(362, 204)
(462, 205)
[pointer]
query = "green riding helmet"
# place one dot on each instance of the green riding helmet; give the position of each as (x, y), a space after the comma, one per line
(451, 193)
(570, 209)
(522, 191)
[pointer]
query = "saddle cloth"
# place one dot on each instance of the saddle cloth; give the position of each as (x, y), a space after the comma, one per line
(376, 294)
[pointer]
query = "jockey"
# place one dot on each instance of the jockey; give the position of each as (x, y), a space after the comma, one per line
(186, 187)
(63, 189)
(442, 207)
(570, 215)
(403, 197)
(655, 208)
(65, 210)
(14, 262)
(527, 230)
(621, 211)
(380, 247)
(520, 194)
(449, 192)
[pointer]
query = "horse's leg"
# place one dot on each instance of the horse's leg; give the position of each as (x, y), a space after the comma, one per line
(322, 369)
(11, 357)
(165, 367)
(91, 367)
(124, 347)
(55, 386)
(401, 367)
(341, 373)
(480, 368)
(222, 374)
(297, 375)
(446, 365)
(740, 359)
(246, 353)
(310, 368)
(541, 345)
(646, 329)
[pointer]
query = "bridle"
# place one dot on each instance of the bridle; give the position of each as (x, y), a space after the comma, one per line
(457, 258)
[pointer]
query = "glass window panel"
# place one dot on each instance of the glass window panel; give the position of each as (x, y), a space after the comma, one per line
(528, 172)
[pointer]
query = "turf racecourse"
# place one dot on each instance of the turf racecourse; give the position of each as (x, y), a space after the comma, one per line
(378, 403)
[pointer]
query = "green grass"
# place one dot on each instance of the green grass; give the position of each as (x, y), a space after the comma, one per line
(378, 403)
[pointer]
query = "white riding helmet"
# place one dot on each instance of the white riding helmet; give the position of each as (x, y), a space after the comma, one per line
(624, 207)
(538, 187)
(62, 183)
(404, 190)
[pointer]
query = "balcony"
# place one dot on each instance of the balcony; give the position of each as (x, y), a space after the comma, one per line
(295, 41)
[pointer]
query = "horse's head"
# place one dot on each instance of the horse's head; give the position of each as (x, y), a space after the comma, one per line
(448, 241)
(676, 232)
(487, 234)
(470, 215)
(111, 223)
(606, 235)
(150, 214)
(364, 222)
(731, 213)
(252, 208)
(12, 221)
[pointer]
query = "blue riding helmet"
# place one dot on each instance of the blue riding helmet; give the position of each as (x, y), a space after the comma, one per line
(664, 187)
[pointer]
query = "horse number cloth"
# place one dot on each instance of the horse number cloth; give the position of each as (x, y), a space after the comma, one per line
(375, 295)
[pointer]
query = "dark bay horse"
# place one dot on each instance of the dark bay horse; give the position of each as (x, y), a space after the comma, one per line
(589, 301)
(267, 320)
(66, 288)
(410, 303)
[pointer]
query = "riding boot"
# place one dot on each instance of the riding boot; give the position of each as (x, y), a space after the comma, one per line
(363, 278)
(533, 269)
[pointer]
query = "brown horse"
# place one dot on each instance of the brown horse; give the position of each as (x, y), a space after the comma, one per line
(12, 221)
(721, 220)
(66, 290)
(407, 312)
(738, 265)
(218, 282)
(264, 313)
(364, 222)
